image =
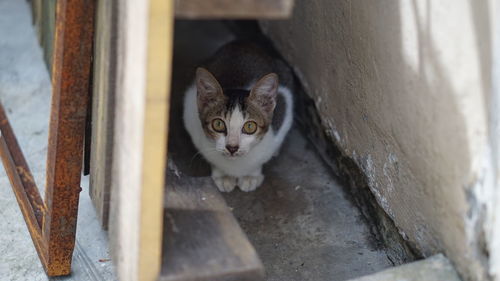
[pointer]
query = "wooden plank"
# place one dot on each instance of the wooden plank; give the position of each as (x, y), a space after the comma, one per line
(202, 239)
(434, 268)
(233, 9)
(159, 64)
(36, 13)
(44, 19)
(144, 51)
(192, 193)
(47, 30)
(103, 107)
(127, 140)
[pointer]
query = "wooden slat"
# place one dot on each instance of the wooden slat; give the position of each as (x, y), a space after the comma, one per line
(144, 49)
(158, 70)
(434, 268)
(202, 239)
(233, 9)
(44, 14)
(193, 193)
(36, 14)
(127, 140)
(103, 107)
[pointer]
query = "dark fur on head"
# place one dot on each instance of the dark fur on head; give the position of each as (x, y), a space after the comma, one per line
(256, 104)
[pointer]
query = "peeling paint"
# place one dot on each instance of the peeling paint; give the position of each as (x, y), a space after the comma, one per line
(332, 131)
(403, 234)
(390, 170)
(337, 136)
(318, 102)
(370, 171)
(481, 220)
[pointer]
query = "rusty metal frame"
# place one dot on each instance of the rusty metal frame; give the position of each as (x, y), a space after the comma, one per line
(52, 223)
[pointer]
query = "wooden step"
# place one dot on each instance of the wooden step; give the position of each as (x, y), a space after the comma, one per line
(234, 9)
(435, 268)
(202, 239)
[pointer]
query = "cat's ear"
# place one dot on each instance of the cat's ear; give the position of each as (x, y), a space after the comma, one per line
(264, 92)
(208, 87)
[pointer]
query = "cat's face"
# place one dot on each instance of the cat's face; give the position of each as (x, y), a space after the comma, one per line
(236, 120)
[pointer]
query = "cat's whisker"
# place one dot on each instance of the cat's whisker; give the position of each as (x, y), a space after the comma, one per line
(199, 154)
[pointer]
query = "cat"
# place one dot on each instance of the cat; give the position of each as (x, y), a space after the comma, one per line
(238, 111)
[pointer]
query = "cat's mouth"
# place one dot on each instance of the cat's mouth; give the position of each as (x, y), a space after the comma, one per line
(235, 155)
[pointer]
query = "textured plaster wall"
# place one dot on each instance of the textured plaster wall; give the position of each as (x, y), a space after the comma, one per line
(493, 224)
(405, 89)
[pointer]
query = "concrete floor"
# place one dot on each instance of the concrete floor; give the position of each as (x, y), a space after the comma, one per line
(301, 223)
(25, 94)
(299, 220)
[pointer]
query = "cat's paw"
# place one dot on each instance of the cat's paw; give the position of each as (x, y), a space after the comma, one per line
(225, 183)
(250, 183)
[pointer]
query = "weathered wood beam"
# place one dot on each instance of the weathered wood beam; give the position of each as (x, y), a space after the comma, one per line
(233, 9)
(103, 107)
(202, 239)
(144, 49)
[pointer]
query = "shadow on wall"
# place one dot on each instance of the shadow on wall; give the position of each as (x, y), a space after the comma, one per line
(398, 88)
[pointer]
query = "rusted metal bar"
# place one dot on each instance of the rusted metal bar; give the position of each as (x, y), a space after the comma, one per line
(18, 166)
(21, 180)
(70, 88)
(52, 224)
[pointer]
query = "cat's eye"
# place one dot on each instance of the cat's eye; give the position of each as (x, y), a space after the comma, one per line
(218, 125)
(250, 127)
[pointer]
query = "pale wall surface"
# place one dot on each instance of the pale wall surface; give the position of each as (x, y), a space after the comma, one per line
(494, 215)
(403, 88)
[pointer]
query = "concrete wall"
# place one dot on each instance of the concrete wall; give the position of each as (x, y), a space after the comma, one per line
(404, 88)
(493, 223)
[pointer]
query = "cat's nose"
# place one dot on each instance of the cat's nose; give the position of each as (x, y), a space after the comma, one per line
(232, 148)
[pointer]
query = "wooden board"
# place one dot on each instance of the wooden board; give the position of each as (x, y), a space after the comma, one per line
(234, 9)
(144, 48)
(44, 18)
(202, 239)
(36, 14)
(103, 107)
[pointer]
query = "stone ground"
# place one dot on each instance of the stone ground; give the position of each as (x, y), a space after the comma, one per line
(25, 94)
(300, 221)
